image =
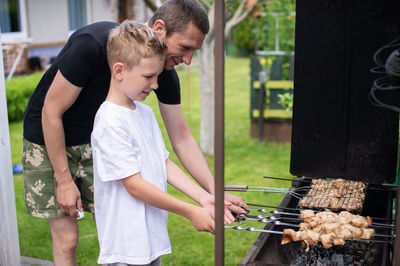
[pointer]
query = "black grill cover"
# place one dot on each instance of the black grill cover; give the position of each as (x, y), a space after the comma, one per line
(337, 132)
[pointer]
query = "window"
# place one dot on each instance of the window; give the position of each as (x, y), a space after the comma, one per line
(9, 18)
(12, 20)
(78, 15)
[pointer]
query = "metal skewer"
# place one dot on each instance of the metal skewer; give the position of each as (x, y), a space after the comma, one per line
(245, 188)
(316, 211)
(288, 179)
(244, 216)
(385, 187)
(252, 229)
(275, 212)
(264, 219)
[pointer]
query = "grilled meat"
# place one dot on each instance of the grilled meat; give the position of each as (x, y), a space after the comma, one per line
(329, 228)
(335, 195)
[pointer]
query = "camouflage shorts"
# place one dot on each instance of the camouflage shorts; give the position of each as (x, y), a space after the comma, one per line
(40, 184)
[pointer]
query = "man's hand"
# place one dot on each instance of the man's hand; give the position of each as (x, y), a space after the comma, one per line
(69, 198)
(208, 203)
(236, 203)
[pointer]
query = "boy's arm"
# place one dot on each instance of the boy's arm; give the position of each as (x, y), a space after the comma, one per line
(178, 179)
(147, 192)
(189, 153)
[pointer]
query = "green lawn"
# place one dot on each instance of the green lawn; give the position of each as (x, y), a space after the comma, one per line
(246, 162)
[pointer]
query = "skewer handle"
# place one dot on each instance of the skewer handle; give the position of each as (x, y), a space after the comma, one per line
(236, 187)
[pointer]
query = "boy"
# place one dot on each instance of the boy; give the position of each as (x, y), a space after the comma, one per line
(131, 164)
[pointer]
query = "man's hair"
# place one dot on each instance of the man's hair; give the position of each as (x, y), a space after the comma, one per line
(177, 14)
(131, 41)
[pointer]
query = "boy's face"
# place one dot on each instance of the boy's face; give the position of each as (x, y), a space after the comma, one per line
(141, 79)
(181, 46)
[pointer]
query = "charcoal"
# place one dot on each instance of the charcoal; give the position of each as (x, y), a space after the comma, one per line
(351, 254)
(338, 260)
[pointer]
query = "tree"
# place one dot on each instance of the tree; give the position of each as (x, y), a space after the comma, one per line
(237, 11)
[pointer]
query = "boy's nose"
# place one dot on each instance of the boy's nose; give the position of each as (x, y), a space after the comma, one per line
(154, 85)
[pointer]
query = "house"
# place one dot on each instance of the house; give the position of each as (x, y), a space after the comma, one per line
(34, 31)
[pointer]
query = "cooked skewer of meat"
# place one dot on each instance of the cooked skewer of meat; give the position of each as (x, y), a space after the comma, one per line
(336, 194)
(329, 228)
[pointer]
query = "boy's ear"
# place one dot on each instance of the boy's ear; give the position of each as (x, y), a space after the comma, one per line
(118, 71)
(160, 29)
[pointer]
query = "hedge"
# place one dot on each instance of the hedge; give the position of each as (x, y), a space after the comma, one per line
(18, 91)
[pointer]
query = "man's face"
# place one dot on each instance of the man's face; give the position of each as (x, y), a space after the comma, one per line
(181, 46)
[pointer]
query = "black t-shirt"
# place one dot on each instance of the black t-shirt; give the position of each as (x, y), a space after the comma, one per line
(83, 62)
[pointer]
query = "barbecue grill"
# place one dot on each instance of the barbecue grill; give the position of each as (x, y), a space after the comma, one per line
(337, 132)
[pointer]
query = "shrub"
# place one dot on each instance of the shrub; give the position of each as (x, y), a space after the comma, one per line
(243, 35)
(18, 91)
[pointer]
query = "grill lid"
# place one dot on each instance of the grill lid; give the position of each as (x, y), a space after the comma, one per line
(337, 132)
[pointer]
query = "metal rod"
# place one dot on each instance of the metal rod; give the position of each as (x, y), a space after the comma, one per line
(298, 209)
(219, 140)
(275, 207)
(388, 189)
(252, 229)
(371, 240)
(287, 179)
(252, 188)
(274, 212)
(388, 236)
(384, 187)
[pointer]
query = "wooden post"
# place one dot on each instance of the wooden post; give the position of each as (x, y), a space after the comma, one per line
(219, 143)
(9, 245)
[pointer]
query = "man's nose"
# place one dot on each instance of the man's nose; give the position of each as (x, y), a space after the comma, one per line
(187, 58)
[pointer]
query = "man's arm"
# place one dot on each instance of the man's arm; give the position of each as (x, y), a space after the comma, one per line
(60, 96)
(189, 153)
(147, 192)
(178, 179)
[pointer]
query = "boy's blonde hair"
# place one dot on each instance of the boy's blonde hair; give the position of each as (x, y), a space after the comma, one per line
(131, 41)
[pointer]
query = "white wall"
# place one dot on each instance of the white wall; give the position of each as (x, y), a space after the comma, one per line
(102, 10)
(47, 20)
(143, 13)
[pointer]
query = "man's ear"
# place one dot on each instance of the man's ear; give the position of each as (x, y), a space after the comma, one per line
(118, 71)
(160, 29)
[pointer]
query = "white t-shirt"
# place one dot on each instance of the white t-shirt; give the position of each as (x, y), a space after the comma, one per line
(126, 142)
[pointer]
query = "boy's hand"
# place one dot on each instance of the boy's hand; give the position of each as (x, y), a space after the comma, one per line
(201, 220)
(208, 203)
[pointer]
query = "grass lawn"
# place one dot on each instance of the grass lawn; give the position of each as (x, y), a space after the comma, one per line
(246, 162)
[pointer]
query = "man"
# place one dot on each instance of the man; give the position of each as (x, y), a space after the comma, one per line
(58, 167)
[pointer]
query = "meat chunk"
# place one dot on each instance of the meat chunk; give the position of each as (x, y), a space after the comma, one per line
(329, 228)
